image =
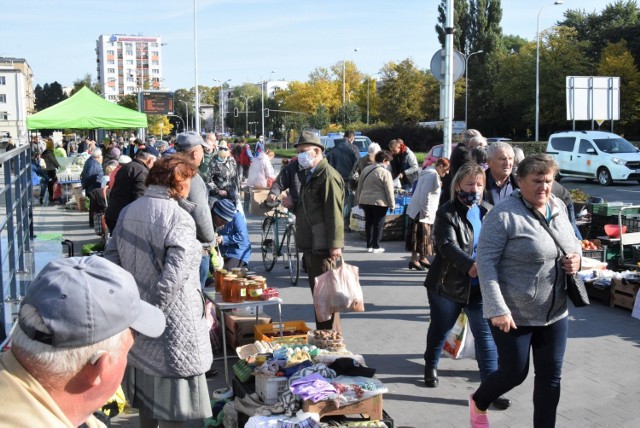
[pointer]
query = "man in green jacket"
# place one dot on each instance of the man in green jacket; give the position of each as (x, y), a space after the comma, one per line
(319, 221)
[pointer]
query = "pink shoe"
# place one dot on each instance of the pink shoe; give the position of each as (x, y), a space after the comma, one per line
(478, 420)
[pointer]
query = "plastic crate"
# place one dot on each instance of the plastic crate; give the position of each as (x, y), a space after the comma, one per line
(610, 209)
(271, 332)
(270, 388)
(600, 255)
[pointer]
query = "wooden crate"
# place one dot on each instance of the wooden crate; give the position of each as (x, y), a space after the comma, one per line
(372, 407)
(623, 293)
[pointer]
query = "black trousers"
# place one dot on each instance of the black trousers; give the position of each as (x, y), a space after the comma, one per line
(373, 224)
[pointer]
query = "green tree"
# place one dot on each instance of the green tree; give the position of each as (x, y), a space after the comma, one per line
(347, 114)
(461, 23)
(87, 81)
(321, 119)
(129, 101)
(617, 61)
(402, 92)
(48, 95)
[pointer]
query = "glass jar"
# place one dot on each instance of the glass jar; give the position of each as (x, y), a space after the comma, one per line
(254, 290)
(218, 276)
(238, 272)
(238, 290)
(262, 281)
(227, 286)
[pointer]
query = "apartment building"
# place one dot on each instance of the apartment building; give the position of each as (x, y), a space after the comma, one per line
(16, 98)
(127, 64)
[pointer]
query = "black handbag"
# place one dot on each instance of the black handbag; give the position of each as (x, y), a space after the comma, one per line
(576, 289)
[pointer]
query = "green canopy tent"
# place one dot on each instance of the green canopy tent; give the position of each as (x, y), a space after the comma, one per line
(86, 110)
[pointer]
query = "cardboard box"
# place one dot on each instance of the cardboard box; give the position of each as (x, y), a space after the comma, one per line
(240, 329)
(258, 195)
(623, 293)
(371, 407)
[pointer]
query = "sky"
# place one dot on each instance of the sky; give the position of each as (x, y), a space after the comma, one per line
(244, 40)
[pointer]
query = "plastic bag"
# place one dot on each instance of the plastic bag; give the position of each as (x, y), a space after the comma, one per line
(459, 342)
(57, 191)
(215, 329)
(338, 290)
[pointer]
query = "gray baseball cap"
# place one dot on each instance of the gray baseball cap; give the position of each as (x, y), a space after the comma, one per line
(188, 140)
(85, 300)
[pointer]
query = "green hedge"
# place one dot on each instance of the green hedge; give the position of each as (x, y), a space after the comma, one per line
(531, 148)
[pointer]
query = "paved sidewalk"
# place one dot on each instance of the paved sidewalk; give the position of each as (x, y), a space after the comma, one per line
(601, 382)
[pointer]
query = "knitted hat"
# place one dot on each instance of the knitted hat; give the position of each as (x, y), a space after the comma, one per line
(225, 209)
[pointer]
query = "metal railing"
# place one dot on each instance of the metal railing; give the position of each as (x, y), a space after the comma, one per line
(16, 224)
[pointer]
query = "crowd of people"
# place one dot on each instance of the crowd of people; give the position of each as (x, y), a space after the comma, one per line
(478, 226)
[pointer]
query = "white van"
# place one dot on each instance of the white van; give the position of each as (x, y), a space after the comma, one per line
(594, 155)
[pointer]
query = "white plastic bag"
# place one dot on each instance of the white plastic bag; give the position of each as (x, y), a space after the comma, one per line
(459, 342)
(338, 290)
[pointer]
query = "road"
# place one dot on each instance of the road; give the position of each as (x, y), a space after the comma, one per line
(624, 191)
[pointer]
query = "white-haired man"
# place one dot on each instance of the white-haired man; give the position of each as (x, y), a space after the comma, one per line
(69, 348)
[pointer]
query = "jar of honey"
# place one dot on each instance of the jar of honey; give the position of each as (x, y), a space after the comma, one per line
(254, 290)
(218, 276)
(238, 290)
(238, 272)
(262, 281)
(227, 286)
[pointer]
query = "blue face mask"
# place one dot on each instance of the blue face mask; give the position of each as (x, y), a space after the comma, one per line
(468, 198)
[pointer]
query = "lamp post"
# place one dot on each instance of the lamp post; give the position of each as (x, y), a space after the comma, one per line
(262, 98)
(466, 83)
(221, 97)
(186, 108)
(368, 88)
(246, 114)
(195, 65)
(558, 2)
(344, 80)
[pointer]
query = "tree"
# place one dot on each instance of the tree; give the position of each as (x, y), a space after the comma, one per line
(159, 125)
(48, 95)
(617, 61)
(461, 24)
(129, 101)
(347, 114)
(321, 119)
(88, 82)
(402, 93)
(352, 77)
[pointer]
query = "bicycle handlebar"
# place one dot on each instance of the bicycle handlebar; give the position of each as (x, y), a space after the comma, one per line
(267, 204)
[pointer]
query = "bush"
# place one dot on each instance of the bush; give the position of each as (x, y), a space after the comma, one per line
(531, 148)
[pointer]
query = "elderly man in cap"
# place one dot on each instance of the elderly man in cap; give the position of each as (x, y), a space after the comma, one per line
(319, 221)
(164, 148)
(197, 203)
(233, 235)
(69, 349)
(210, 148)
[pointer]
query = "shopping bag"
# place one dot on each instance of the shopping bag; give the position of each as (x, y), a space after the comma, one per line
(215, 329)
(459, 342)
(338, 290)
(57, 191)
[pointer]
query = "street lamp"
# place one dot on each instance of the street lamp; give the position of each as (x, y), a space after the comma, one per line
(246, 114)
(466, 83)
(221, 96)
(344, 70)
(558, 2)
(262, 98)
(186, 108)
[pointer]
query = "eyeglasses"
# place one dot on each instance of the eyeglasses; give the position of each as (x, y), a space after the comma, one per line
(223, 148)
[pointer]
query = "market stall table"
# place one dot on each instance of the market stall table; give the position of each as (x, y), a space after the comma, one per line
(216, 298)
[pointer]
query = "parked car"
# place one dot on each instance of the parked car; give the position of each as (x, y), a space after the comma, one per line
(496, 139)
(435, 153)
(362, 142)
(594, 155)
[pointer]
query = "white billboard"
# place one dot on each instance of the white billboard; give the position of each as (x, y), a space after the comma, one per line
(593, 98)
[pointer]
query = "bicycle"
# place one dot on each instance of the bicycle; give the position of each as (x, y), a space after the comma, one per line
(272, 244)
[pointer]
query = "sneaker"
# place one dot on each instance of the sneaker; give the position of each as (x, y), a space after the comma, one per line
(477, 419)
(369, 250)
(378, 250)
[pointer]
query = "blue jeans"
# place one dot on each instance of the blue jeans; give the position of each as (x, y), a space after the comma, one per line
(444, 313)
(204, 269)
(548, 344)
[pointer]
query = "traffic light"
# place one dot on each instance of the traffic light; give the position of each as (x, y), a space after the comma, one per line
(235, 112)
(266, 112)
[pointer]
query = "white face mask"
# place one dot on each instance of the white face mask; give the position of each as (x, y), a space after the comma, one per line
(305, 159)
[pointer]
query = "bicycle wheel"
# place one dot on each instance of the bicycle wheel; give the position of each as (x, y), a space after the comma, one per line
(293, 258)
(268, 245)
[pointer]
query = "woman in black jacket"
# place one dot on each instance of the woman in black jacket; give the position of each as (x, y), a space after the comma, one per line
(51, 165)
(452, 282)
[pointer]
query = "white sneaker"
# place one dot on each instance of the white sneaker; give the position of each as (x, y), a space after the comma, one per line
(369, 250)
(378, 250)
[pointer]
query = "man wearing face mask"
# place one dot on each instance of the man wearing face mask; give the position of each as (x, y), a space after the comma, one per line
(319, 221)
(290, 179)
